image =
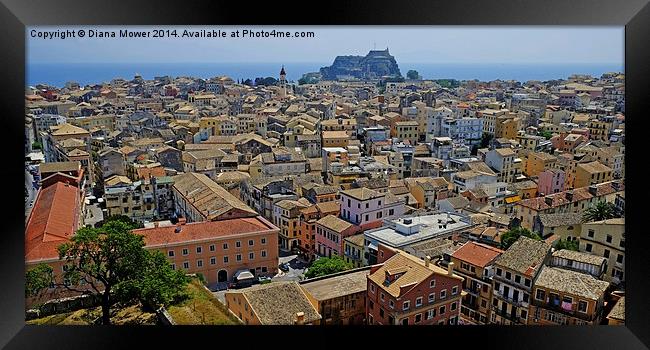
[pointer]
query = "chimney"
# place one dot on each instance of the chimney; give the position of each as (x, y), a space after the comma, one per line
(616, 186)
(569, 195)
(450, 268)
(548, 200)
(155, 224)
(427, 260)
(593, 190)
(182, 221)
(300, 318)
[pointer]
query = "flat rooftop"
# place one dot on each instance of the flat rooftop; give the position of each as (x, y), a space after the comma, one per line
(398, 233)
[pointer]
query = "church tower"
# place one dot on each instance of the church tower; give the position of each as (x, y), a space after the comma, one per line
(283, 82)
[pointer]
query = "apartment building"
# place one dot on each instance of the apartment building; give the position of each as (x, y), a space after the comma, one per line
(217, 249)
(340, 298)
(474, 262)
(367, 208)
(606, 238)
(331, 232)
(566, 297)
(286, 216)
(502, 160)
(406, 290)
(512, 284)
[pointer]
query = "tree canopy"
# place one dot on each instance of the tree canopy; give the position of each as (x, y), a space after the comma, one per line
(268, 81)
(601, 211)
(413, 74)
(546, 134)
(566, 244)
(510, 237)
(111, 263)
(327, 266)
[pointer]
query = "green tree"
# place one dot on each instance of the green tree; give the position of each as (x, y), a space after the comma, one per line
(327, 266)
(546, 134)
(37, 145)
(601, 211)
(510, 237)
(114, 265)
(248, 82)
(413, 74)
(37, 279)
(566, 244)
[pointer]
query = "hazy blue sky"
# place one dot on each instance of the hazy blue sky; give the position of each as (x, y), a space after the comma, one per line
(408, 44)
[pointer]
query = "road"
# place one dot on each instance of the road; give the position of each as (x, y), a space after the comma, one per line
(296, 268)
(31, 193)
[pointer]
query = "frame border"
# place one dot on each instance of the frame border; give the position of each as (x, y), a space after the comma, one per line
(633, 14)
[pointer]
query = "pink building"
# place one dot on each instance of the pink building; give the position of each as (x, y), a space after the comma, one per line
(330, 233)
(550, 181)
(368, 208)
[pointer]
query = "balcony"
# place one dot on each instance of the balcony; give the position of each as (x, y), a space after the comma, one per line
(509, 300)
(555, 305)
(514, 319)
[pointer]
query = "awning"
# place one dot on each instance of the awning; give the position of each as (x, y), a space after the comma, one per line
(513, 199)
(372, 246)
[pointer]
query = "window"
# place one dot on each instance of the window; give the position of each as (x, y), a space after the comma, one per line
(372, 288)
(443, 294)
(238, 244)
(590, 233)
(405, 321)
(454, 290)
(582, 306)
(406, 305)
(431, 314)
(213, 261)
(185, 251)
(186, 265)
(524, 314)
(540, 294)
(508, 275)
(250, 242)
(225, 259)
(418, 318)
(381, 296)
(199, 263)
(170, 253)
(606, 253)
(442, 310)
(173, 266)
(619, 259)
(609, 239)
(432, 297)
(238, 257)
(527, 282)
(432, 284)
(391, 304)
(453, 306)
(371, 305)
(418, 302)
(199, 250)
(264, 253)
(588, 247)
(498, 271)
(381, 312)
(518, 279)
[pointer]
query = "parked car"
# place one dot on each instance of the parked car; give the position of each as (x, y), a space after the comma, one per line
(284, 267)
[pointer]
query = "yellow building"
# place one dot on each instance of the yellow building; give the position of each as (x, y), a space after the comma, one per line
(353, 248)
(506, 127)
(606, 238)
(335, 139)
(599, 129)
(591, 173)
(407, 130)
(536, 162)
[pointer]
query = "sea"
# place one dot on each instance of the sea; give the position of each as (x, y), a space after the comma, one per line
(57, 74)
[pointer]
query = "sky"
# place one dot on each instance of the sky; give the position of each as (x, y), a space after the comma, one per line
(409, 44)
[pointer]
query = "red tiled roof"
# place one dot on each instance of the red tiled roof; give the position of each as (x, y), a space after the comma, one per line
(53, 220)
(199, 231)
(559, 199)
(476, 254)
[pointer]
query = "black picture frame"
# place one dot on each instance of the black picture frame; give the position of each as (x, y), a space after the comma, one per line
(15, 15)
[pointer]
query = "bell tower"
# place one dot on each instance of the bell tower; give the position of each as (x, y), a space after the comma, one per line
(283, 82)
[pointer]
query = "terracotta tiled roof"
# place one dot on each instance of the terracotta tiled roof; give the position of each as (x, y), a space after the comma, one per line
(582, 193)
(278, 303)
(53, 220)
(414, 273)
(334, 223)
(524, 256)
(198, 231)
(477, 254)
